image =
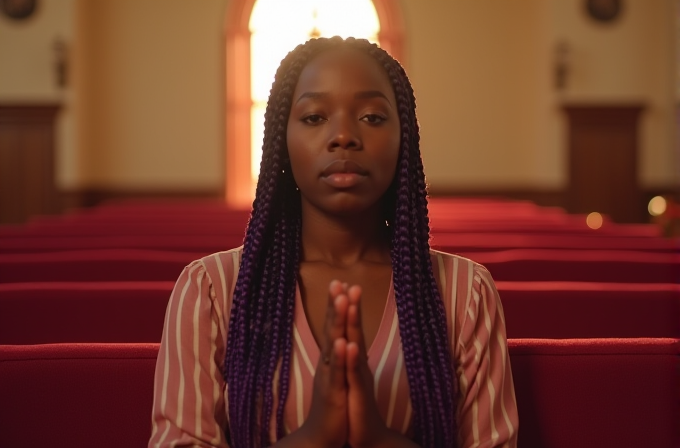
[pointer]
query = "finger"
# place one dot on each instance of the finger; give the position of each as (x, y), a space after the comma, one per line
(336, 319)
(335, 288)
(338, 363)
(353, 365)
(355, 330)
(339, 324)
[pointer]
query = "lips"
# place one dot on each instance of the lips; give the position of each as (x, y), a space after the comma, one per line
(343, 166)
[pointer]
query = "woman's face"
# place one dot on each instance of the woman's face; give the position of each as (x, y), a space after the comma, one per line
(343, 132)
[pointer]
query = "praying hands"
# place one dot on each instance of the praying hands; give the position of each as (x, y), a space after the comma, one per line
(344, 411)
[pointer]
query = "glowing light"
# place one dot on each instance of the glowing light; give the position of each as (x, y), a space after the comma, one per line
(657, 206)
(278, 26)
(594, 220)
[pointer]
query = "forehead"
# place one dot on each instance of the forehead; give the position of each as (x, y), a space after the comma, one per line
(340, 70)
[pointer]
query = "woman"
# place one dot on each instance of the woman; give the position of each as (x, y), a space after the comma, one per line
(336, 324)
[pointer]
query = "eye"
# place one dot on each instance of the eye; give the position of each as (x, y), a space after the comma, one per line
(313, 119)
(373, 118)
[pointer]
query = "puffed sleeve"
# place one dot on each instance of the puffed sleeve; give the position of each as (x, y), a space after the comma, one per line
(487, 409)
(188, 406)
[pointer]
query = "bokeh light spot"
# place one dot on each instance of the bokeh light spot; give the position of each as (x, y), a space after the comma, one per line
(594, 220)
(657, 206)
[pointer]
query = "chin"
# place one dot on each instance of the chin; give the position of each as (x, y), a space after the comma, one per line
(345, 205)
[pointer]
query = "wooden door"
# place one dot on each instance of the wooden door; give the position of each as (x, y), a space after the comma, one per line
(27, 185)
(603, 155)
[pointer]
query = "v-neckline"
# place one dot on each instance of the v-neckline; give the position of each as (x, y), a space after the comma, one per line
(381, 336)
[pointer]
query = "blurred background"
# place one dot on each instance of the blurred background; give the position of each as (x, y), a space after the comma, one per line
(130, 135)
(569, 103)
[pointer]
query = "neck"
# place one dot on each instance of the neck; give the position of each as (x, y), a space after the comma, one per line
(344, 240)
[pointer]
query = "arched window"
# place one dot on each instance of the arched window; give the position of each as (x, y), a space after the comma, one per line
(259, 34)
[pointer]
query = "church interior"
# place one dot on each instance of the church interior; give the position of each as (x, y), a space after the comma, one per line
(130, 143)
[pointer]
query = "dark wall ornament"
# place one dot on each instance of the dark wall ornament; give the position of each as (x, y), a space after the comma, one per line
(18, 9)
(604, 11)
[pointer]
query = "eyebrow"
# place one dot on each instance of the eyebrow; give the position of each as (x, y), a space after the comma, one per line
(365, 94)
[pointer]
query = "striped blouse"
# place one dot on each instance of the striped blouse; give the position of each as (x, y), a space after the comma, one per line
(190, 396)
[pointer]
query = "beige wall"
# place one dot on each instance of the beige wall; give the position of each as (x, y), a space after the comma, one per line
(147, 109)
(478, 69)
(27, 74)
(483, 73)
(153, 94)
(632, 61)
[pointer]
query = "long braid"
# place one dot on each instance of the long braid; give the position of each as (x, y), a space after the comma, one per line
(260, 329)
(422, 322)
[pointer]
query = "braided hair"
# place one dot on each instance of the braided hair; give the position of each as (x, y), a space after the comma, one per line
(260, 328)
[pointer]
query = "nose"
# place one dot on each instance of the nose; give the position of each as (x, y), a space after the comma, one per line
(344, 134)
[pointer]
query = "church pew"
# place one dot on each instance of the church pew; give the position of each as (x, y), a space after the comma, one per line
(443, 230)
(55, 312)
(604, 393)
(201, 244)
(597, 393)
(511, 265)
(76, 396)
(459, 243)
(491, 242)
(560, 310)
(582, 266)
(134, 311)
(95, 265)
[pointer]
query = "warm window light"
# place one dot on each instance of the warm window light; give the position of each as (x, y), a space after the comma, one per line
(277, 26)
(657, 206)
(594, 220)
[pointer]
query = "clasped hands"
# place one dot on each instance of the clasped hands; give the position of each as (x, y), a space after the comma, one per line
(343, 410)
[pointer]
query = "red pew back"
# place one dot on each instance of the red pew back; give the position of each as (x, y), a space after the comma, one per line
(582, 266)
(76, 396)
(53, 312)
(597, 393)
(94, 266)
(571, 393)
(590, 310)
(46, 313)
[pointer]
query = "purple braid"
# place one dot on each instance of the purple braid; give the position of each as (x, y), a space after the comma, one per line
(260, 328)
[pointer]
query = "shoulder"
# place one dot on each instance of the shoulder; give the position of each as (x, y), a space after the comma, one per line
(215, 274)
(220, 266)
(466, 288)
(451, 269)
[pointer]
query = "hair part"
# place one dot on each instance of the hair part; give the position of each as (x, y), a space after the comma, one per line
(260, 327)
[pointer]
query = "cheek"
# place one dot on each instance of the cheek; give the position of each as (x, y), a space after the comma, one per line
(300, 159)
(392, 155)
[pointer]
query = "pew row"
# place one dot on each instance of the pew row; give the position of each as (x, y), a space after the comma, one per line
(529, 265)
(513, 265)
(94, 266)
(57, 312)
(201, 242)
(604, 393)
(562, 310)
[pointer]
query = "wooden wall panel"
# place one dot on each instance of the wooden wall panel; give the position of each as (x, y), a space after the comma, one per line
(603, 159)
(27, 150)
